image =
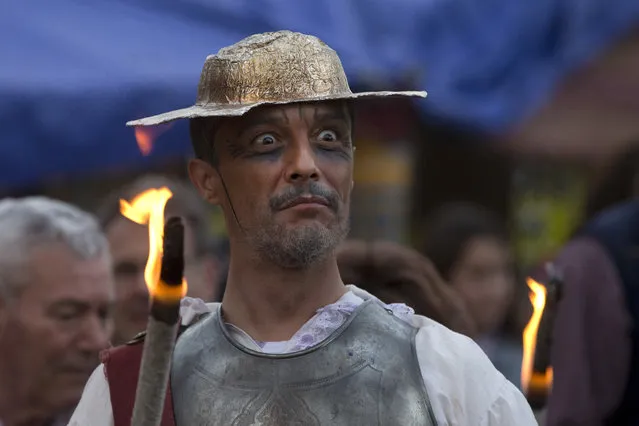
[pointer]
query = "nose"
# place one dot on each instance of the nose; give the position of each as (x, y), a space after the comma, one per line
(129, 279)
(96, 334)
(301, 164)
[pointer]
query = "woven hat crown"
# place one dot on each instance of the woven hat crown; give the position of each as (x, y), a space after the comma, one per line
(272, 67)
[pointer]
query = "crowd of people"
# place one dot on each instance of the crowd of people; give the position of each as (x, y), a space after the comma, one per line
(432, 334)
(73, 285)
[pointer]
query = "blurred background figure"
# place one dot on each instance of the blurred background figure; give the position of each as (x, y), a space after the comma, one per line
(397, 274)
(471, 250)
(129, 242)
(595, 356)
(618, 183)
(56, 291)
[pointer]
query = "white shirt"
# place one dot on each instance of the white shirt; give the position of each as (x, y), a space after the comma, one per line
(463, 386)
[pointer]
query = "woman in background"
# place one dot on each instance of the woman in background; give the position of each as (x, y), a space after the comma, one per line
(471, 250)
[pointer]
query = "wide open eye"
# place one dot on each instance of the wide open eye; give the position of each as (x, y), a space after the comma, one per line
(265, 139)
(327, 136)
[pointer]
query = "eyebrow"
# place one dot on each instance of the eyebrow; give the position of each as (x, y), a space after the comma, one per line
(275, 117)
(328, 114)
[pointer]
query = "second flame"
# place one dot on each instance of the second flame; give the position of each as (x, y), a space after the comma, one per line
(146, 136)
(530, 380)
(147, 208)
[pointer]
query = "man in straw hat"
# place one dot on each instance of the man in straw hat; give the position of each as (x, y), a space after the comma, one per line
(290, 344)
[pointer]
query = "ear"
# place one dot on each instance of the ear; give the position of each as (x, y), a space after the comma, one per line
(207, 180)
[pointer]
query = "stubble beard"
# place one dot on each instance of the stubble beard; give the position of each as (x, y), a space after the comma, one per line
(301, 246)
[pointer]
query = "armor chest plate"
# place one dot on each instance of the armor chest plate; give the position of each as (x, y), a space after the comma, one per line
(366, 373)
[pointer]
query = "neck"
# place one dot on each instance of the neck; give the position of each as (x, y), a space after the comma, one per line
(272, 303)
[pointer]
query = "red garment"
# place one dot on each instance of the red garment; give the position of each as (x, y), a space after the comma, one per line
(122, 368)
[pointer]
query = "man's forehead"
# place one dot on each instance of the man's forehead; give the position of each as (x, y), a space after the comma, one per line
(56, 271)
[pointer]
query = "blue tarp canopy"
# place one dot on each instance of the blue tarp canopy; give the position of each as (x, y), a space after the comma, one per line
(73, 71)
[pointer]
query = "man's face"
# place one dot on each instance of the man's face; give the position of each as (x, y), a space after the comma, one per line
(289, 174)
(56, 327)
(129, 243)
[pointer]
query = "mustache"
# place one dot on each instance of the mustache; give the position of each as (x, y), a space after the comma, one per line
(314, 189)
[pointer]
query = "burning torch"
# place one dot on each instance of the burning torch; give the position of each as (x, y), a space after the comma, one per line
(164, 276)
(536, 369)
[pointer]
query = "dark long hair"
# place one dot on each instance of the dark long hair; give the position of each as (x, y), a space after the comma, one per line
(449, 231)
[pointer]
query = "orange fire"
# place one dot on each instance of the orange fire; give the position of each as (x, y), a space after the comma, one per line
(533, 381)
(144, 139)
(146, 136)
(147, 208)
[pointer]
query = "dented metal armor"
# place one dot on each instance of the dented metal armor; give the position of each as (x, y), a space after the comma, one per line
(366, 373)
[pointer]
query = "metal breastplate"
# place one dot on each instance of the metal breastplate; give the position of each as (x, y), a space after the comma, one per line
(366, 373)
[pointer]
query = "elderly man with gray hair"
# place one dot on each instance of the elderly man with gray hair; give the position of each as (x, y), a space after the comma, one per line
(56, 289)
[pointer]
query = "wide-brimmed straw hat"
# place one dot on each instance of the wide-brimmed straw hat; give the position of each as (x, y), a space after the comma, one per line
(270, 68)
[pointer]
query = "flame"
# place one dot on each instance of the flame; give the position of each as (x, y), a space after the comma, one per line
(532, 380)
(144, 139)
(146, 136)
(147, 208)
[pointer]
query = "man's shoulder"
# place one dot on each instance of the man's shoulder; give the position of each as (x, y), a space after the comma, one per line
(191, 312)
(447, 346)
(458, 360)
(141, 336)
(456, 371)
(437, 344)
(137, 339)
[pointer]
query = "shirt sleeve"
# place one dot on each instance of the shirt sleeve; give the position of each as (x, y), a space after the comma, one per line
(94, 408)
(463, 386)
(591, 349)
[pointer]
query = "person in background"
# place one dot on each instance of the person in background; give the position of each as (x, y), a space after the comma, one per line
(129, 242)
(595, 354)
(470, 249)
(401, 275)
(619, 183)
(56, 291)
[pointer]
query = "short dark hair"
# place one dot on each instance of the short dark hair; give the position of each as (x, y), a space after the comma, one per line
(185, 202)
(202, 132)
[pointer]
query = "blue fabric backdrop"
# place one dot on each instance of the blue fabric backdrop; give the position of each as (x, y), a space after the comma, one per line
(73, 71)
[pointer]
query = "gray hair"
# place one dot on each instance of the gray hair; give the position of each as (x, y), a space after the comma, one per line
(28, 222)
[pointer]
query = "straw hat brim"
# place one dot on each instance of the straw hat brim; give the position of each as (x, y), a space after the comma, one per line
(236, 110)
